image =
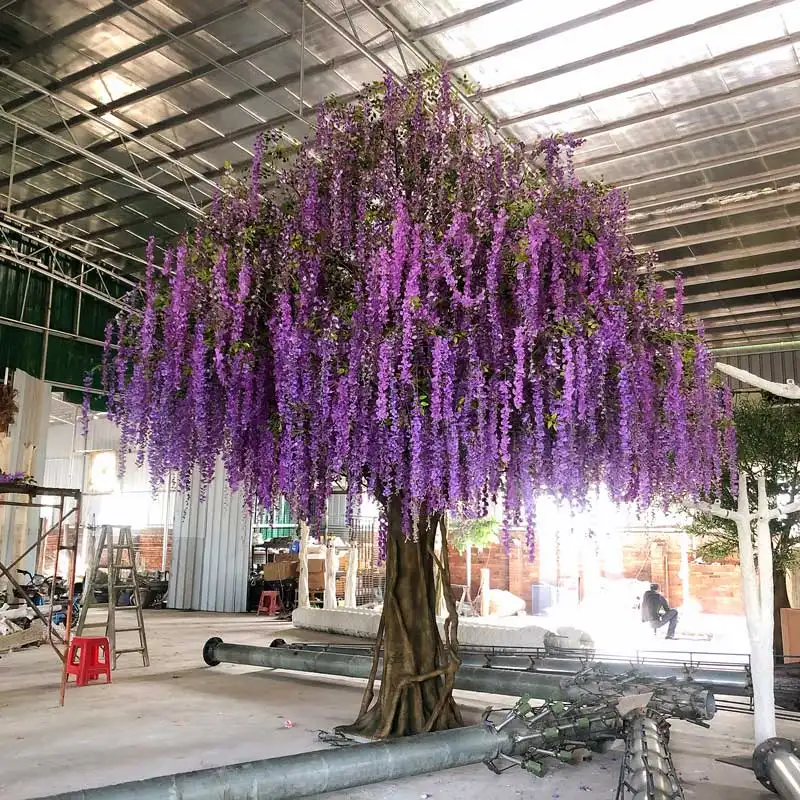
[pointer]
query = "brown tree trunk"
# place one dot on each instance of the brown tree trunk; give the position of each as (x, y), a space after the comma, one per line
(416, 691)
(781, 601)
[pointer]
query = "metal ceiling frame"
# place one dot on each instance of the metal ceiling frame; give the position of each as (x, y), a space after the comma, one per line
(115, 169)
(172, 173)
(78, 26)
(136, 51)
(236, 100)
(725, 255)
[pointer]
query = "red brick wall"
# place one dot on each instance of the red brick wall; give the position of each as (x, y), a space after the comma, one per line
(646, 556)
(493, 557)
(717, 587)
(147, 543)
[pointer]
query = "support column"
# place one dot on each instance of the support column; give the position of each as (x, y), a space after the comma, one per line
(303, 600)
(351, 577)
(329, 599)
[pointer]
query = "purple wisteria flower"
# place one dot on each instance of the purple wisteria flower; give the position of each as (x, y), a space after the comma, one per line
(415, 309)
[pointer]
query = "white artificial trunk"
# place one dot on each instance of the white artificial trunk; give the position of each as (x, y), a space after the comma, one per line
(303, 600)
(330, 576)
(763, 655)
(758, 596)
(351, 577)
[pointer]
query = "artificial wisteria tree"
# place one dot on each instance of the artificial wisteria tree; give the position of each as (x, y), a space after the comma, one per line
(422, 311)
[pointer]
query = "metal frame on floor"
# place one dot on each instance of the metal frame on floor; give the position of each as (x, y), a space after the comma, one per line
(32, 492)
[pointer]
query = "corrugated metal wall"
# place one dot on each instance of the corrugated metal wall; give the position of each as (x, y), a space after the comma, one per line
(23, 450)
(771, 366)
(210, 550)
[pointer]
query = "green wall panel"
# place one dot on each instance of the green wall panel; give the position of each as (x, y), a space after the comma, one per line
(13, 281)
(20, 349)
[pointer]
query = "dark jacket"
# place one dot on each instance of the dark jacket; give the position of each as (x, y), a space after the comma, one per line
(652, 605)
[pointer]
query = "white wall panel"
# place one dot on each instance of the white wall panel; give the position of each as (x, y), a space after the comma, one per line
(23, 450)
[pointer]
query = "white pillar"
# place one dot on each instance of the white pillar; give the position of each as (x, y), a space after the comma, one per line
(763, 651)
(351, 577)
(329, 600)
(302, 582)
(684, 575)
(469, 571)
(485, 586)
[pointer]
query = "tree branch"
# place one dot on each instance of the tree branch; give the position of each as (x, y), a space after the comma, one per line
(782, 511)
(715, 510)
(789, 389)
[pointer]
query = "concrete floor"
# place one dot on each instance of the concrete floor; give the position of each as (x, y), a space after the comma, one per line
(180, 715)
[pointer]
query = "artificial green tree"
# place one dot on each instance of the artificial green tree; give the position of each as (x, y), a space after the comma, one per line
(768, 437)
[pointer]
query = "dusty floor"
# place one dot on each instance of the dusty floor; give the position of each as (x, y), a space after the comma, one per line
(180, 715)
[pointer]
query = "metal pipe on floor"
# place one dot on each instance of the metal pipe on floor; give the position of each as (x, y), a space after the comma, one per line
(685, 700)
(727, 681)
(647, 770)
(777, 766)
(514, 683)
(308, 774)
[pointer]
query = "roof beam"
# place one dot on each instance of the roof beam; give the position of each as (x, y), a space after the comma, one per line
(112, 168)
(143, 48)
(677, 108)
(720, 235)
(735, 274)
(700, 193)
(123, 202)
(751, 154)
(726, 255)
(742, 291)
(753, 320)
(666, 75)
(634, 47)
(715, 207)
(81, 24)
(727, 310)
(114, 128)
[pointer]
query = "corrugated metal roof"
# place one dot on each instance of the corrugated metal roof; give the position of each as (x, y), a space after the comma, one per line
(118, 117)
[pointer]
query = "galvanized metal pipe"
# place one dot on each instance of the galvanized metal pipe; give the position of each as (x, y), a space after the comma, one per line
(727, 681)
(686, 700)
(777, 766)
(647, 770)
(514, 683)
(308, 774)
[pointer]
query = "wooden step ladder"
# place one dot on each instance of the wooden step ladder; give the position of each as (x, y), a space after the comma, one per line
(121, 561)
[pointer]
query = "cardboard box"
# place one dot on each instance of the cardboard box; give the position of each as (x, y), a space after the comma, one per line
(280, 570)
(279, 557)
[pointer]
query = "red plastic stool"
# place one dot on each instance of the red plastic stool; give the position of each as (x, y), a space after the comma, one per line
(88, 658)
(269, 603)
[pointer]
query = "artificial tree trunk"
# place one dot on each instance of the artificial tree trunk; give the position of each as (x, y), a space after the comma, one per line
(416, 691)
